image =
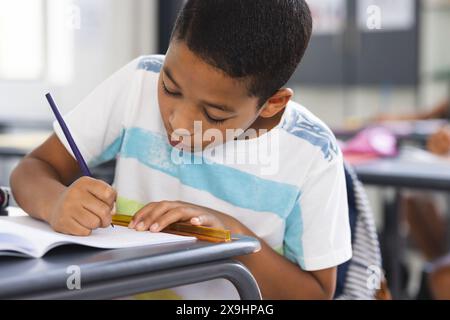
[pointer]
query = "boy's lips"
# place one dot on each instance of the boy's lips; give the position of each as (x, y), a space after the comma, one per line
(177, 141)
(173, 143)
(179, 144)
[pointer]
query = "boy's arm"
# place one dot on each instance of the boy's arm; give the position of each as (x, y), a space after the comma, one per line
(279, 278)
(41, 177)
(43, 185)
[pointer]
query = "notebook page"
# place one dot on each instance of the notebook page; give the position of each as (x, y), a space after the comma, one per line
(26, 235)
(41, 236)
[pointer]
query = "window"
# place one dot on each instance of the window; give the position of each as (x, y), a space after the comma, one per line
(37, 40)
(22, 39)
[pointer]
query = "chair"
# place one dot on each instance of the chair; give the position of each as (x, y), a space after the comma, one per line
(361, 276)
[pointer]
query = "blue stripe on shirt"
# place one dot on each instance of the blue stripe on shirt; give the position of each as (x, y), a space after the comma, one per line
(228, 184)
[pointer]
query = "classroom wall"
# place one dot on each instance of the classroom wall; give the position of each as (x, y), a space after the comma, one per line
(337, 105)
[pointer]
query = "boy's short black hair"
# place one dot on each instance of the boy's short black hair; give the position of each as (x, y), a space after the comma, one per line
(261, 41)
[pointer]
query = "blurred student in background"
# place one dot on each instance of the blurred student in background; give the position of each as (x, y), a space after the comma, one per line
(425, 215)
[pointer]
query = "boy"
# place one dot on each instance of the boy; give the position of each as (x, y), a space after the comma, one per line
(225, 70)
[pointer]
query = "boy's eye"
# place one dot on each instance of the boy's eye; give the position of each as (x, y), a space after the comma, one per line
(207, 116)
(170, 93)
(212, 119)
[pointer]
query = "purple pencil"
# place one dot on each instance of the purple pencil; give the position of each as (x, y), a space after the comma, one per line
(83, 166)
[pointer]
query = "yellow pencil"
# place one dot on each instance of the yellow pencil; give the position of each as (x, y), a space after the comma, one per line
(185, 229)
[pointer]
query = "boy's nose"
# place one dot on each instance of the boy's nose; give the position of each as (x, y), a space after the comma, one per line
(181, 124)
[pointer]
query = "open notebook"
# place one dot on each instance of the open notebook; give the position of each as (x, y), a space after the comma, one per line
(23, 235)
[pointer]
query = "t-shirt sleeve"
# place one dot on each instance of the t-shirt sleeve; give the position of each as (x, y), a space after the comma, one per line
(318, 230)
(97, 123)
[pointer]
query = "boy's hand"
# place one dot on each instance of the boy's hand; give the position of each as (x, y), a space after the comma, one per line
(156, 216)
(85, 205)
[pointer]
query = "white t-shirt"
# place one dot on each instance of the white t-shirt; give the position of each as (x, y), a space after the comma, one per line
(293, 195)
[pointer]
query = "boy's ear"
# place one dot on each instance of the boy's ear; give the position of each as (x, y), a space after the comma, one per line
(276, 103)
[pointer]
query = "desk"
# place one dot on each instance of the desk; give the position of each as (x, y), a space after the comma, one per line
(107, 274)
(18, 144)
(399, 174)
(405, 174)
(15, 145)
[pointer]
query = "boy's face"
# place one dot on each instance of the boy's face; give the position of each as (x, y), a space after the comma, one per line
(190, 90)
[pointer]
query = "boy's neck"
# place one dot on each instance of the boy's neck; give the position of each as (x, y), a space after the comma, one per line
(267, 123)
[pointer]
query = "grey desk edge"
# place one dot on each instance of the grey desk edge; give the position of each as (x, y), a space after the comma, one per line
(369, 175)
(102, 279)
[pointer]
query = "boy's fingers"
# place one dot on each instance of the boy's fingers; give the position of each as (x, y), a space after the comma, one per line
(88, 219)
(203, 220)
(172, 216)
(77, 229)
(140, 215)
(100, 209)
(102, 191)
(152, 213)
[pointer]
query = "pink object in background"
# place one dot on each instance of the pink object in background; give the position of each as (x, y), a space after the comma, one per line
(377, 141)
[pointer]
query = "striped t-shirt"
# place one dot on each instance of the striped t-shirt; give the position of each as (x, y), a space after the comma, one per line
(287, 186)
